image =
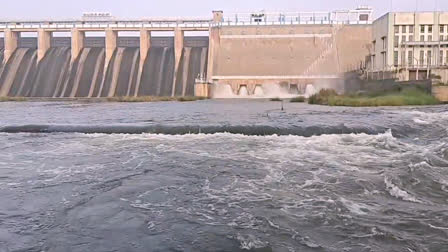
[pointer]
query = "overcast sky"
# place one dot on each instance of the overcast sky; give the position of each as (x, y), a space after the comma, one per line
(32, 9)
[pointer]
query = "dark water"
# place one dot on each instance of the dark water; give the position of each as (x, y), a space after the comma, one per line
(87, 76)
(370, 179)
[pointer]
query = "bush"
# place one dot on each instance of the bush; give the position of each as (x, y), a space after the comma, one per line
(298, 99)
(8, 98)
(410, 96)
(276, 99)
(322, 97)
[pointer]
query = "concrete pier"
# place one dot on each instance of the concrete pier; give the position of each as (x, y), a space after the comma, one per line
(77, 43)
(178, 48)
(43, 43)
(111, 44)
(145, 44)
(11, 43)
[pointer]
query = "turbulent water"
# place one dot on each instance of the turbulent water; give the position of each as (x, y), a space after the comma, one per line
(233, 175)
(87, 76)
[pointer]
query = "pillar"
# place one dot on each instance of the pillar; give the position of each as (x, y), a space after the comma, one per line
(145, 44)
(111, 44)
(11, 43)
(213, 45)
(218, 16)
(178, 48)
(43, 43)
(77, 43)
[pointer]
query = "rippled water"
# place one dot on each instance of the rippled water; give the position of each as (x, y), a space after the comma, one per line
(309, 178)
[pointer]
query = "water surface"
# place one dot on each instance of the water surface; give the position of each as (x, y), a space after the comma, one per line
(222, 175)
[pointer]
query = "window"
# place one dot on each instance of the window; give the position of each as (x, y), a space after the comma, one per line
(430, 38)
(410, 58)
(397, 29)
(441, 57)
(446, 58)
(441, 37)
(430, 28)
(403, 29)
(429, 57)
(422, 28)
(403, 39)
(411, 29)
(422, 58)
(442, 29)
(411, 38)
(422, 38)
(384, 55)
(396, 41)
(384, 43)
(396, 58)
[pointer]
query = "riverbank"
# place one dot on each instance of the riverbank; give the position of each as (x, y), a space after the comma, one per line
(405, 97)
(104, 99)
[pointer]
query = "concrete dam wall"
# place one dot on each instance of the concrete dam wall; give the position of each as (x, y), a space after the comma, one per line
(247, 58)
(57, 74)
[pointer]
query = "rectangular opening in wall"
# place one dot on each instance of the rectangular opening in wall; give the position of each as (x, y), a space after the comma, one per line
(28, 40)
(2, 40)
(162, 38)
(61, 39)
(196, 38)
(95, 39)
(128, 39)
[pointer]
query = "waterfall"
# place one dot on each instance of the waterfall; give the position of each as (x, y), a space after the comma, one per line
(310, 90)
(193, 63)
(258, 91)
(58, 75)
(243, 91)
(26, 84)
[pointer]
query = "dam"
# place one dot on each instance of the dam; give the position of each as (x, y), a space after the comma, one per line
(227, 55)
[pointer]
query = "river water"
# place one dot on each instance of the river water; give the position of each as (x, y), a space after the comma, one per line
(222, 175)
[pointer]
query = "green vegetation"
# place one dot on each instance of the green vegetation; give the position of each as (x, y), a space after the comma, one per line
(322, 97)
(154, 98)
(276, 99)
(409, 96)
(6, 99)
(298, 99)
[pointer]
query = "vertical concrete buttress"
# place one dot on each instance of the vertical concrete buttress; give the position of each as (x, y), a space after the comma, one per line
(111, 44)
(11, 43)
(43, 43)
(77, 43)
(213, 44)
(145, 44)
(178, 48)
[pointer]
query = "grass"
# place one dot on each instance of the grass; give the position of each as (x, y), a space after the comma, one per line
(155, 98)
(6, 99)
(406, 97)
(298, 99)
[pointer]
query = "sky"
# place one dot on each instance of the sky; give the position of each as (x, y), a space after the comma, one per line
(41, 9)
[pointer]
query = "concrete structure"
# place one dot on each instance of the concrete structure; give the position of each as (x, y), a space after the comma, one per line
(178, 49)
(11, 43)
(410, 44)
(77, 43)
(440, 92)
(43, 44)
(262, 48)
(109, 25)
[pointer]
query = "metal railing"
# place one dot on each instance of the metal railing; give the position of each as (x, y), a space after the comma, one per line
(358, 16)
(69, 24)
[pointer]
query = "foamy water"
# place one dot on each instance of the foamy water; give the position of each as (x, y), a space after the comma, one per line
(382, 188)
